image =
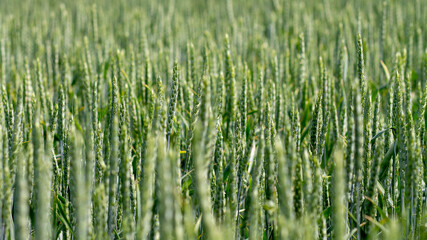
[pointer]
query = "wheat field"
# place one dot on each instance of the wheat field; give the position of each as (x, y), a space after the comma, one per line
(225, 119)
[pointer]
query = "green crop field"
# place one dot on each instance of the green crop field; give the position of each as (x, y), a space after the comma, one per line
(213, 119)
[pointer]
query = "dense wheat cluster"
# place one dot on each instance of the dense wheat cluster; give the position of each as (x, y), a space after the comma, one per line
(215, 120)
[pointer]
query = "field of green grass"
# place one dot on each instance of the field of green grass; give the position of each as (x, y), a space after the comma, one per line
(213, 119)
